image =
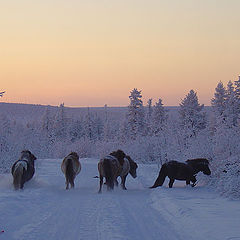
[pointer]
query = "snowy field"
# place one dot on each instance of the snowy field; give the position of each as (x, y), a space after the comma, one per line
(45, 210)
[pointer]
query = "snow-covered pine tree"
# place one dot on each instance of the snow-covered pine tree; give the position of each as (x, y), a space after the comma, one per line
(192, 118)
(60, 123)
(237, 97)
(218, 101)
(47, 121)
(97, 127)
(135, 118)
(231, 106)
(5, 132)
(149, 111)
(88, 125)
(237, 88)
(149, 108)
(159, 117)
(76, 130)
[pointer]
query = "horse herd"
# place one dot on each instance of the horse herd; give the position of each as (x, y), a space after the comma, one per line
(116, 164)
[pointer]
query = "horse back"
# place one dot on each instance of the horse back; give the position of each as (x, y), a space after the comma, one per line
(178, 170)
(75, 164)
(112, 163)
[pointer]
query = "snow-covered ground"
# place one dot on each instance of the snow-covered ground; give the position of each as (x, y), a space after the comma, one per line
(45, 210)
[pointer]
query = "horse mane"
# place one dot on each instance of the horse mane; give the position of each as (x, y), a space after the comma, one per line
(29, 155)
(198, 161)
(74, 154)
(120, 155)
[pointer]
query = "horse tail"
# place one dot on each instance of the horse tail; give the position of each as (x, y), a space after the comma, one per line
(69, 171)
(108, 173)
(17, 176)
(161, 177)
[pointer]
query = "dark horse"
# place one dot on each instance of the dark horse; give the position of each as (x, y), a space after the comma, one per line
(182, 171)
(23, 169)
(110, 167)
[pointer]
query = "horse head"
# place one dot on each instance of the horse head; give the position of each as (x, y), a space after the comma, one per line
(133, 167)
(74, 154)
(200, 165)
(206, 170)
(26, 154)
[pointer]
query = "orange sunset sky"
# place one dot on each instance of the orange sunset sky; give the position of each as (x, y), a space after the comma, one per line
(94, 52)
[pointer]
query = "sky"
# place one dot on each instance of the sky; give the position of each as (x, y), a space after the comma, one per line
(94, 52)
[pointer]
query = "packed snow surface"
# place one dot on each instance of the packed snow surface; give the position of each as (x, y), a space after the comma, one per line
(45, 210)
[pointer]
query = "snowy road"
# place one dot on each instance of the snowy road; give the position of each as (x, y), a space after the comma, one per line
(45, 210)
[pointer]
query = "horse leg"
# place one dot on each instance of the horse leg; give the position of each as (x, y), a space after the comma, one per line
(123, 178)
(171, 182)
(116, 182)
(187, 182)
(193, 180)
(100, 184)
(67, 184)
(72, 181)
(21, 183)
(72, 184)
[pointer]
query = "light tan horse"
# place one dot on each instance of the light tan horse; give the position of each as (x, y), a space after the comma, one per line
(71, 167)
(23, 169)
(129, 166)
(110, 168)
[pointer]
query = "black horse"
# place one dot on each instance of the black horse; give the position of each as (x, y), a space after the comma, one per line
(23, 169)
(182, 171)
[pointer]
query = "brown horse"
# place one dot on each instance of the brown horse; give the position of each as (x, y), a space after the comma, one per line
(115, 165)
(23, 169)
(71, 167)
(110, 168)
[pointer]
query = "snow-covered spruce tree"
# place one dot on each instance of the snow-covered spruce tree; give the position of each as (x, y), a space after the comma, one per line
(237, 91)
(225, 164)
(192, 118)
(88, 125)
(60, 123)
(231, 111)
(47, 132)
(110, 128)
(135, 118)
(159, 117)
(98, 127)
(47, 121)
(218, 101)
(76, 130)
(149, 111)
(5, 132)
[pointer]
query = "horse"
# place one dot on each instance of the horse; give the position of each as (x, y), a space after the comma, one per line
(23, 169)
(182, 171)
(110, 168)
(129, 166)
(71, 167)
